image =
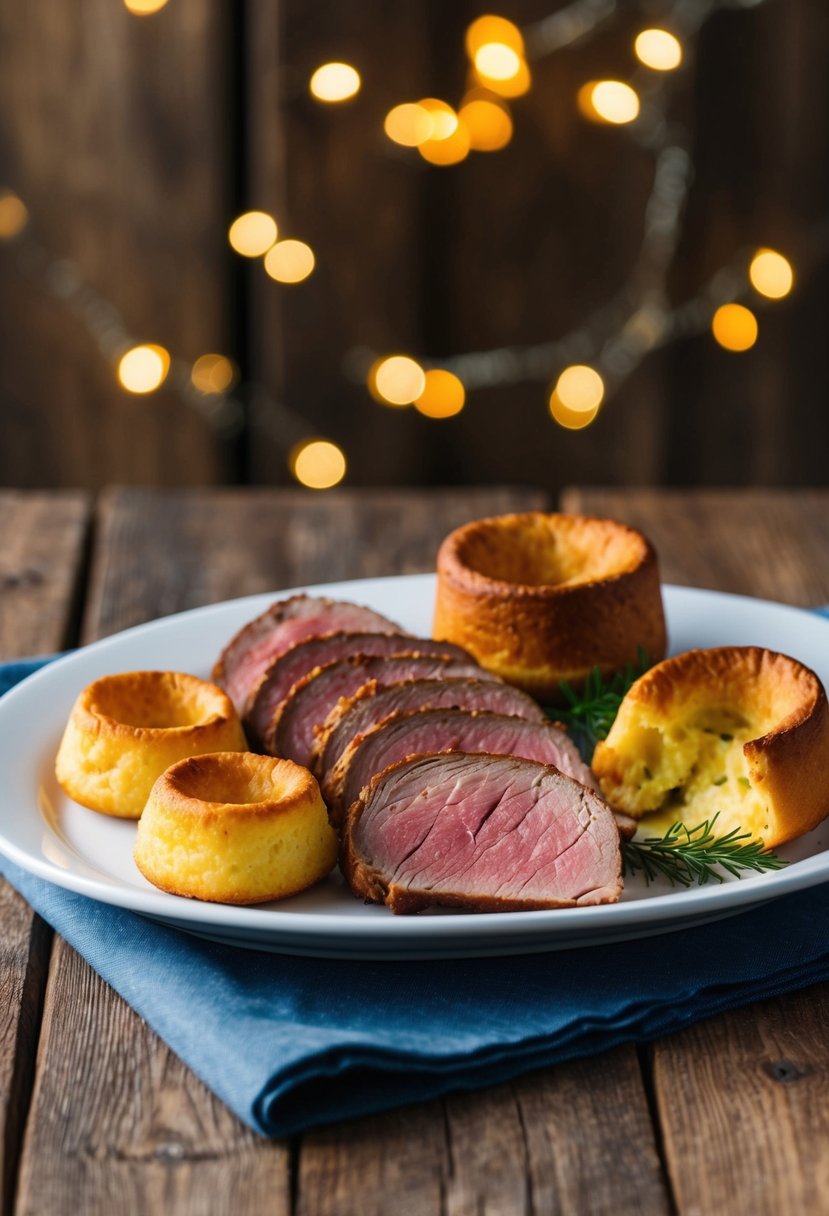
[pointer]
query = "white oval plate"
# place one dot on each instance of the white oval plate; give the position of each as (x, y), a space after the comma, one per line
(47, 834)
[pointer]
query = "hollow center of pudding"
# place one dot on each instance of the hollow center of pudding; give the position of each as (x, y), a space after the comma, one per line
(556, 551)
(238, 780)
(154, 700)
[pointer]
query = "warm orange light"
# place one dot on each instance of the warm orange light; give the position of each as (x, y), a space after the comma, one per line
(658, 49)
(515, 86)
(493, 29)
(143, 8)
(734, 327)
(610, 101)
(444, 119)
(447, 151)
(396, 380)
(409, 124)
(497, 61)
(213, 374)
(580, 388)
(318, 464)
(289, 261)
(443, 395)
(488, 124)
(771, 274)
(14, 215)
(334, 82)
(570, 419)
(252, 234)
(143, 369)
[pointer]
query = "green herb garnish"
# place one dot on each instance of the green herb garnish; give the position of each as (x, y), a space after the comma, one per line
(690, 855)
(589, 714)
(721, 781)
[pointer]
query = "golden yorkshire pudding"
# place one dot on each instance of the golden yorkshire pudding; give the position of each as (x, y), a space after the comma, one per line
(538, 598)
(235, 828)
(125, 730)
(738, 731)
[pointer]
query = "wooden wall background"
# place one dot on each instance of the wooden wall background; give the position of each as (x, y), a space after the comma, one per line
(133, 141)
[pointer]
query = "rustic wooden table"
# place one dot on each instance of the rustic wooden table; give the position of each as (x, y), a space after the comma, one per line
(98, 1116)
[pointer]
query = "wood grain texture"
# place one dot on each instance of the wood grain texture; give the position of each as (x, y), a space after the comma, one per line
(40, 566)
(744, 1106)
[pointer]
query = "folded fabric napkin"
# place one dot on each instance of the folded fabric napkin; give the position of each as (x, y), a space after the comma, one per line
(289, 1043)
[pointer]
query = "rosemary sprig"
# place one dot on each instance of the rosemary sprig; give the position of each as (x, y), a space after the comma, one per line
(590, 713)
(690, 855)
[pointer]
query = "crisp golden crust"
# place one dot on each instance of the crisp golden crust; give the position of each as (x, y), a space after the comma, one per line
(125, 730)
(235, 828)
(540, 598)
(740, 731)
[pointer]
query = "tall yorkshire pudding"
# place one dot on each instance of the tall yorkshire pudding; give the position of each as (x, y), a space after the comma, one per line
(539, 599)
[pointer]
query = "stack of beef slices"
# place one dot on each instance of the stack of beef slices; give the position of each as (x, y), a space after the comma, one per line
(448, 785)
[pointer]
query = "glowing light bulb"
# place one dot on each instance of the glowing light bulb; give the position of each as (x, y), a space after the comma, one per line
(771, 274)
(443, 395)
(734, 327)
(14, 215)
(497, 61)
(409, 124)
(289, 261)
(143, 8)
(610, 101)
(580, 388)
(488, 29)
(213, 374)
(447, 151)
(488, 124)
(396, 380)
(658, 49)
(515, 86)
(444, 119)
(333, 82)
(570, 419)
(143, 369)
(318, 464)
(252, 234)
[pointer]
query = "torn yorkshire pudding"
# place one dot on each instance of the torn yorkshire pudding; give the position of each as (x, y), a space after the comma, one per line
(235, 828)
(125, 730)
(540, 599)
(739, 732)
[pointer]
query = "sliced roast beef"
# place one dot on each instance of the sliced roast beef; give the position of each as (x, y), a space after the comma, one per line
(293, 729)
(430, 731)
(373, 704)
(285, 623)
(289, 668)
(485, 833)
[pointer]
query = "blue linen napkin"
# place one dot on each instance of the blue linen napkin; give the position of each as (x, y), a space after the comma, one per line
(291, 1043)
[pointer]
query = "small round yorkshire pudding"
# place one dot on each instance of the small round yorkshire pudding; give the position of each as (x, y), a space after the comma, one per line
(737, 731)
(125, 730)
(235, 828)
(539, 598)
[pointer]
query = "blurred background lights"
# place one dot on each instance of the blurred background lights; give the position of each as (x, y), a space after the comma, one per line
(289, 261)
(318, 464)
(610, 101)
(334, 82)
(659, 50)
(771, 274)
(397, 380)
(213, 374)
(734, 327)
(143, 369)
(448, 151)
(488, 124)
(252, 233)
(13, 215)
(409, 124)
(570, 419)
(443, 395)
(489, 29)
(143, 8)
(514, 86)
(497, 61)
(580, 388)
(444, 119)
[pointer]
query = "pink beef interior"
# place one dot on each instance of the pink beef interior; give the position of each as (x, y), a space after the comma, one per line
(489, 827)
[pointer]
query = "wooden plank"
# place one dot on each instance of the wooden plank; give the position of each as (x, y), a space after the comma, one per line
(141, 1131)
(118, 150)
(40, 564)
